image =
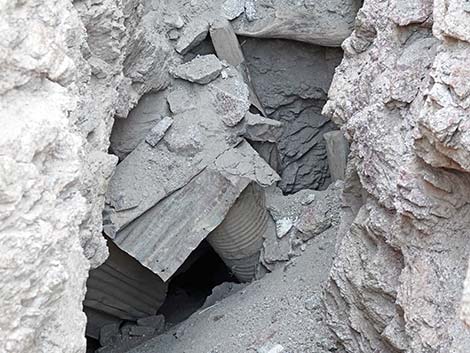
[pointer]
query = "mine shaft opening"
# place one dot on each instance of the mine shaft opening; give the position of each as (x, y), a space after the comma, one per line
(291, 80)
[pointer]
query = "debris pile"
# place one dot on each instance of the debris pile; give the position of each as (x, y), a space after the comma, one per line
(192, 166)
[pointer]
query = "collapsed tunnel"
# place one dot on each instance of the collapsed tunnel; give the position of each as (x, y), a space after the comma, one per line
(288, 83)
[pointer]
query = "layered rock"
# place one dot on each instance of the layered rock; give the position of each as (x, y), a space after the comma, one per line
(402, 97)
(292, 81)
(63, 80)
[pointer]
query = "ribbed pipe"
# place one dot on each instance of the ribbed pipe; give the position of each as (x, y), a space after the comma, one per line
(239, 238)
(123, 288)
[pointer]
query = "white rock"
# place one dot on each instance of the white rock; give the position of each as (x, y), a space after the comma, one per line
(233, 8)
(283, 226)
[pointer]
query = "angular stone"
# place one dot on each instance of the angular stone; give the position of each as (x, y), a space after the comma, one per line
(173, 20)
(260, 129)
(158, 131)
(228, 48)
(141, 331)
(233, 8)
(202, 69)
(193, 34)
(180, 101)
(337, 150)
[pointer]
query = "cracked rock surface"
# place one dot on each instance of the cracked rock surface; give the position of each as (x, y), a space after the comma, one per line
(401, 96)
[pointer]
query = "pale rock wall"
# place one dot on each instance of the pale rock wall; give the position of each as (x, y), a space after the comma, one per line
(66, 69)
(402, 96)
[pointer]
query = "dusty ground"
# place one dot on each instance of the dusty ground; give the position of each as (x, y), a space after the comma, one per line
(283, 308)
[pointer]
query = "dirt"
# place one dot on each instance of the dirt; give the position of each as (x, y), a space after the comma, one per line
(283, 309)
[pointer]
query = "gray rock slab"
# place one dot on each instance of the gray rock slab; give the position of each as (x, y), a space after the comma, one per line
(231, 9)
(261, 129)
(158, 131)
(192, 34)
(337, 150)
(228, 48)
(202, 69)
(326, 23)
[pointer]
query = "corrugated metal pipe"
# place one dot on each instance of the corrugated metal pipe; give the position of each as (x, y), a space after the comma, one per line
(121, 289)
(239, 238)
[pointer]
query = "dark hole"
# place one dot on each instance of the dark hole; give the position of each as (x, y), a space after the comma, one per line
(92, 345)
(191, 285)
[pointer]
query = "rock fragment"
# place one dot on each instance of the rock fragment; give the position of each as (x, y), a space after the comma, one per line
(233, 8)
(228, 48)
(326, 23)
(180, 101)
(337, 150)
(173, 20)
(202, 69)
(137, 330)
(158, 131)
(258, 128)
(283, 226)
(193, 34)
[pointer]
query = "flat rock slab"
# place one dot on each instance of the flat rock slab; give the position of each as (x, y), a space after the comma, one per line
(202, 69)
(326, 23)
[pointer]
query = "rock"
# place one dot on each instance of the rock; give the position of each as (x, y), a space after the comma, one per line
(233, 8)
(202, 69)
(202, 162)
(173, 20)
(173, 34)
(128, 133)
(193, 34)
(232, 107)
(180, 101)
(337, 150)
(250, 10)
(292, 81)
(410, 166)
(109, 334)
(283, 226)
(320, 23)
(258, 128)
(158, 131)
(228, 48)
(155, 321)
(141, 331)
